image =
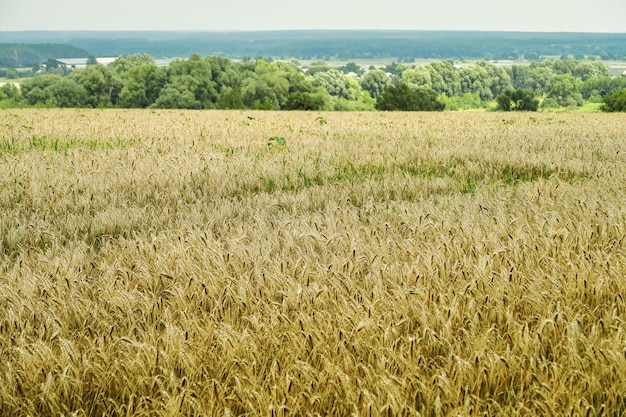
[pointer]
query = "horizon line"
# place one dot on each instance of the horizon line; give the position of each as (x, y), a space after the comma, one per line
(310, 30)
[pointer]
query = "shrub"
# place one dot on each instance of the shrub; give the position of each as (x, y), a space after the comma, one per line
(404, 98)
(550, 103)
(266, 104)
(300, 100)
(10, 91)
(230, 98)
(520, 100)
(467, 101)
(615, 102)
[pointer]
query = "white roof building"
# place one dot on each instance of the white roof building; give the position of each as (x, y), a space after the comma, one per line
(75, 63)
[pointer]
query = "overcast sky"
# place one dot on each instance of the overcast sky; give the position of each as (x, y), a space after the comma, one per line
(515, 15)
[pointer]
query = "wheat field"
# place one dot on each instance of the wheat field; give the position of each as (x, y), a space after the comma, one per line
(219, 263)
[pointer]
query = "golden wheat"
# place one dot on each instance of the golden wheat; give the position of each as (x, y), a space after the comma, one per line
(182, 263)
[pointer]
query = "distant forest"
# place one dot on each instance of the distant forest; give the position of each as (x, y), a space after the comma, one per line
(30, 48)
(18, 55)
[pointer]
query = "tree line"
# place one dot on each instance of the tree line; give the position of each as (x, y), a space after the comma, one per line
(19, 55)
(212, 82)
(406, 45)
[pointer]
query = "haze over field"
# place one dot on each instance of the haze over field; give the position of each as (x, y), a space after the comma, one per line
(531, 15)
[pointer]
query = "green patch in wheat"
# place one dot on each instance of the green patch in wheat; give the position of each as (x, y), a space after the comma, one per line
(43, 143)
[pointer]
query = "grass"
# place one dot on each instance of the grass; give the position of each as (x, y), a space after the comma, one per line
(590, 107)
(44, 143)
(375, 264)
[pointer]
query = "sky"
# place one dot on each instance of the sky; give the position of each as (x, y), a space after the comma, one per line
(510, 15)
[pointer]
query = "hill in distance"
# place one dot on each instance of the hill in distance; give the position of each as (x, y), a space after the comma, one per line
(335, 44)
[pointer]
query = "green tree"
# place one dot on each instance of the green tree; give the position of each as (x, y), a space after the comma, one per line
(615, 102)
(498, 79)
(539, 75)
(194, 75)
(275, 76)
(417, 77)
(52, 63)
(549, 103)
(68, 93)
(124, 63)
(518, 100)
(173, 98)
(565, 90)
(337, 84)
(564, 66)
(93, 80)
(53, 67)
(395, 69)
(268, 84)
(297, 80)
(229, 78)
(143, 86)
(475, 79)
(264, 105)
(36, 90)
(350, 67)
(444, 78)
(10, 91)
(224, 74)
(534, 76)
(467, 101)
(230, 98)
(12, 74)
(585, 70)
(618, 83)
(520, 76)
(364, 102)
(308, 101)
(375, 82)
(596, 88)
(317, 66)
(256, 90)
(404, 98)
